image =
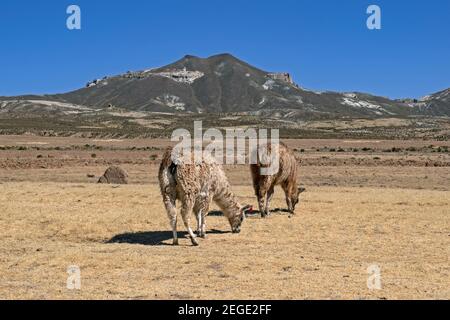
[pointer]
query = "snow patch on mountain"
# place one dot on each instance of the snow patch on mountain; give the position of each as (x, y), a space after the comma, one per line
(444, 95)
(269, 85)
(171, 101)
(350, 95)
(377, 109)
(309, 90)
(31, 106)
(56, 104)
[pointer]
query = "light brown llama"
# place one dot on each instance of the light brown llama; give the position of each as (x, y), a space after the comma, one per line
(286, 176)
(196, 185)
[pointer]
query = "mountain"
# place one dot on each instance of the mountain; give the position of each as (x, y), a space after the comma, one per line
(221, 84)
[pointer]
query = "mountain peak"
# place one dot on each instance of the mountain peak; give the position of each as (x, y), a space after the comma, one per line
(223, 55)
(226, 56)
(189, 56)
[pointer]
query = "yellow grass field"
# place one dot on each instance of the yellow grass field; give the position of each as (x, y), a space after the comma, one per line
(119, 238)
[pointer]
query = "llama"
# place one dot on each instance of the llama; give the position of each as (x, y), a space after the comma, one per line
(196, 185)
(286, 176)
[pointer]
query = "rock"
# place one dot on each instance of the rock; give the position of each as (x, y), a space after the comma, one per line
(114, 175)
(282, 76)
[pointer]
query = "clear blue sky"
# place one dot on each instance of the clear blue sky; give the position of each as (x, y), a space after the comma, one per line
(324, 44)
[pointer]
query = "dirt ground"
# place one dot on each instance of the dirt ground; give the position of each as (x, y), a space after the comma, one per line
(356, 214)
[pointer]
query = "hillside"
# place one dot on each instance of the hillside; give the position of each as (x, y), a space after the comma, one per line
(224, 84)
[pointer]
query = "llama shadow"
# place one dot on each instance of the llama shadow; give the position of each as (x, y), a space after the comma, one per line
(254, 214)
(153, 238)
(280, 210)
(215, 214)
(257, 213)
(220, 214)
(158, 238)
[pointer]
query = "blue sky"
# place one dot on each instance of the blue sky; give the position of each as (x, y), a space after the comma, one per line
(325, 45)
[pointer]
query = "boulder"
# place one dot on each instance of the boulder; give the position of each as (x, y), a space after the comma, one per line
(114, 175)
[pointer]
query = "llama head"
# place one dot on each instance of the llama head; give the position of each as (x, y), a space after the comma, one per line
(237, 219)
(296, 197)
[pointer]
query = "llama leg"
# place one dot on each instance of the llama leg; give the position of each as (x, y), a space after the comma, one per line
(205, 212)
(172, 214)
(289, 203)
(201, 227)
(198, 216)
(269, 198)
(186, 214)
(203, 231)
(261, 203)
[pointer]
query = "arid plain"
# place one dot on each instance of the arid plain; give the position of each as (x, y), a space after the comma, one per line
(368, 202)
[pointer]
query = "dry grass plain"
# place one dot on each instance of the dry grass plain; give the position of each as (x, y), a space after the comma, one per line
(350, 218)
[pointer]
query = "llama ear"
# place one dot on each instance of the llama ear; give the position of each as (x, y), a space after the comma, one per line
(247, 210)
(301, 190)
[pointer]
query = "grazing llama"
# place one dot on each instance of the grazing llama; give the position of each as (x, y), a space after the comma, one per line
(196, 185)
(286, 176)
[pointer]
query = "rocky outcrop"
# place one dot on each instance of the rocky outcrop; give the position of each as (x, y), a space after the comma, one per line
(182, 76)
(282, 76)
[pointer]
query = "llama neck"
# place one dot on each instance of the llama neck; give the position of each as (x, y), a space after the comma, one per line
(227, 202)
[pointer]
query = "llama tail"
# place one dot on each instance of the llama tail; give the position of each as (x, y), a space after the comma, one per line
(173, 171)
(167, 173)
